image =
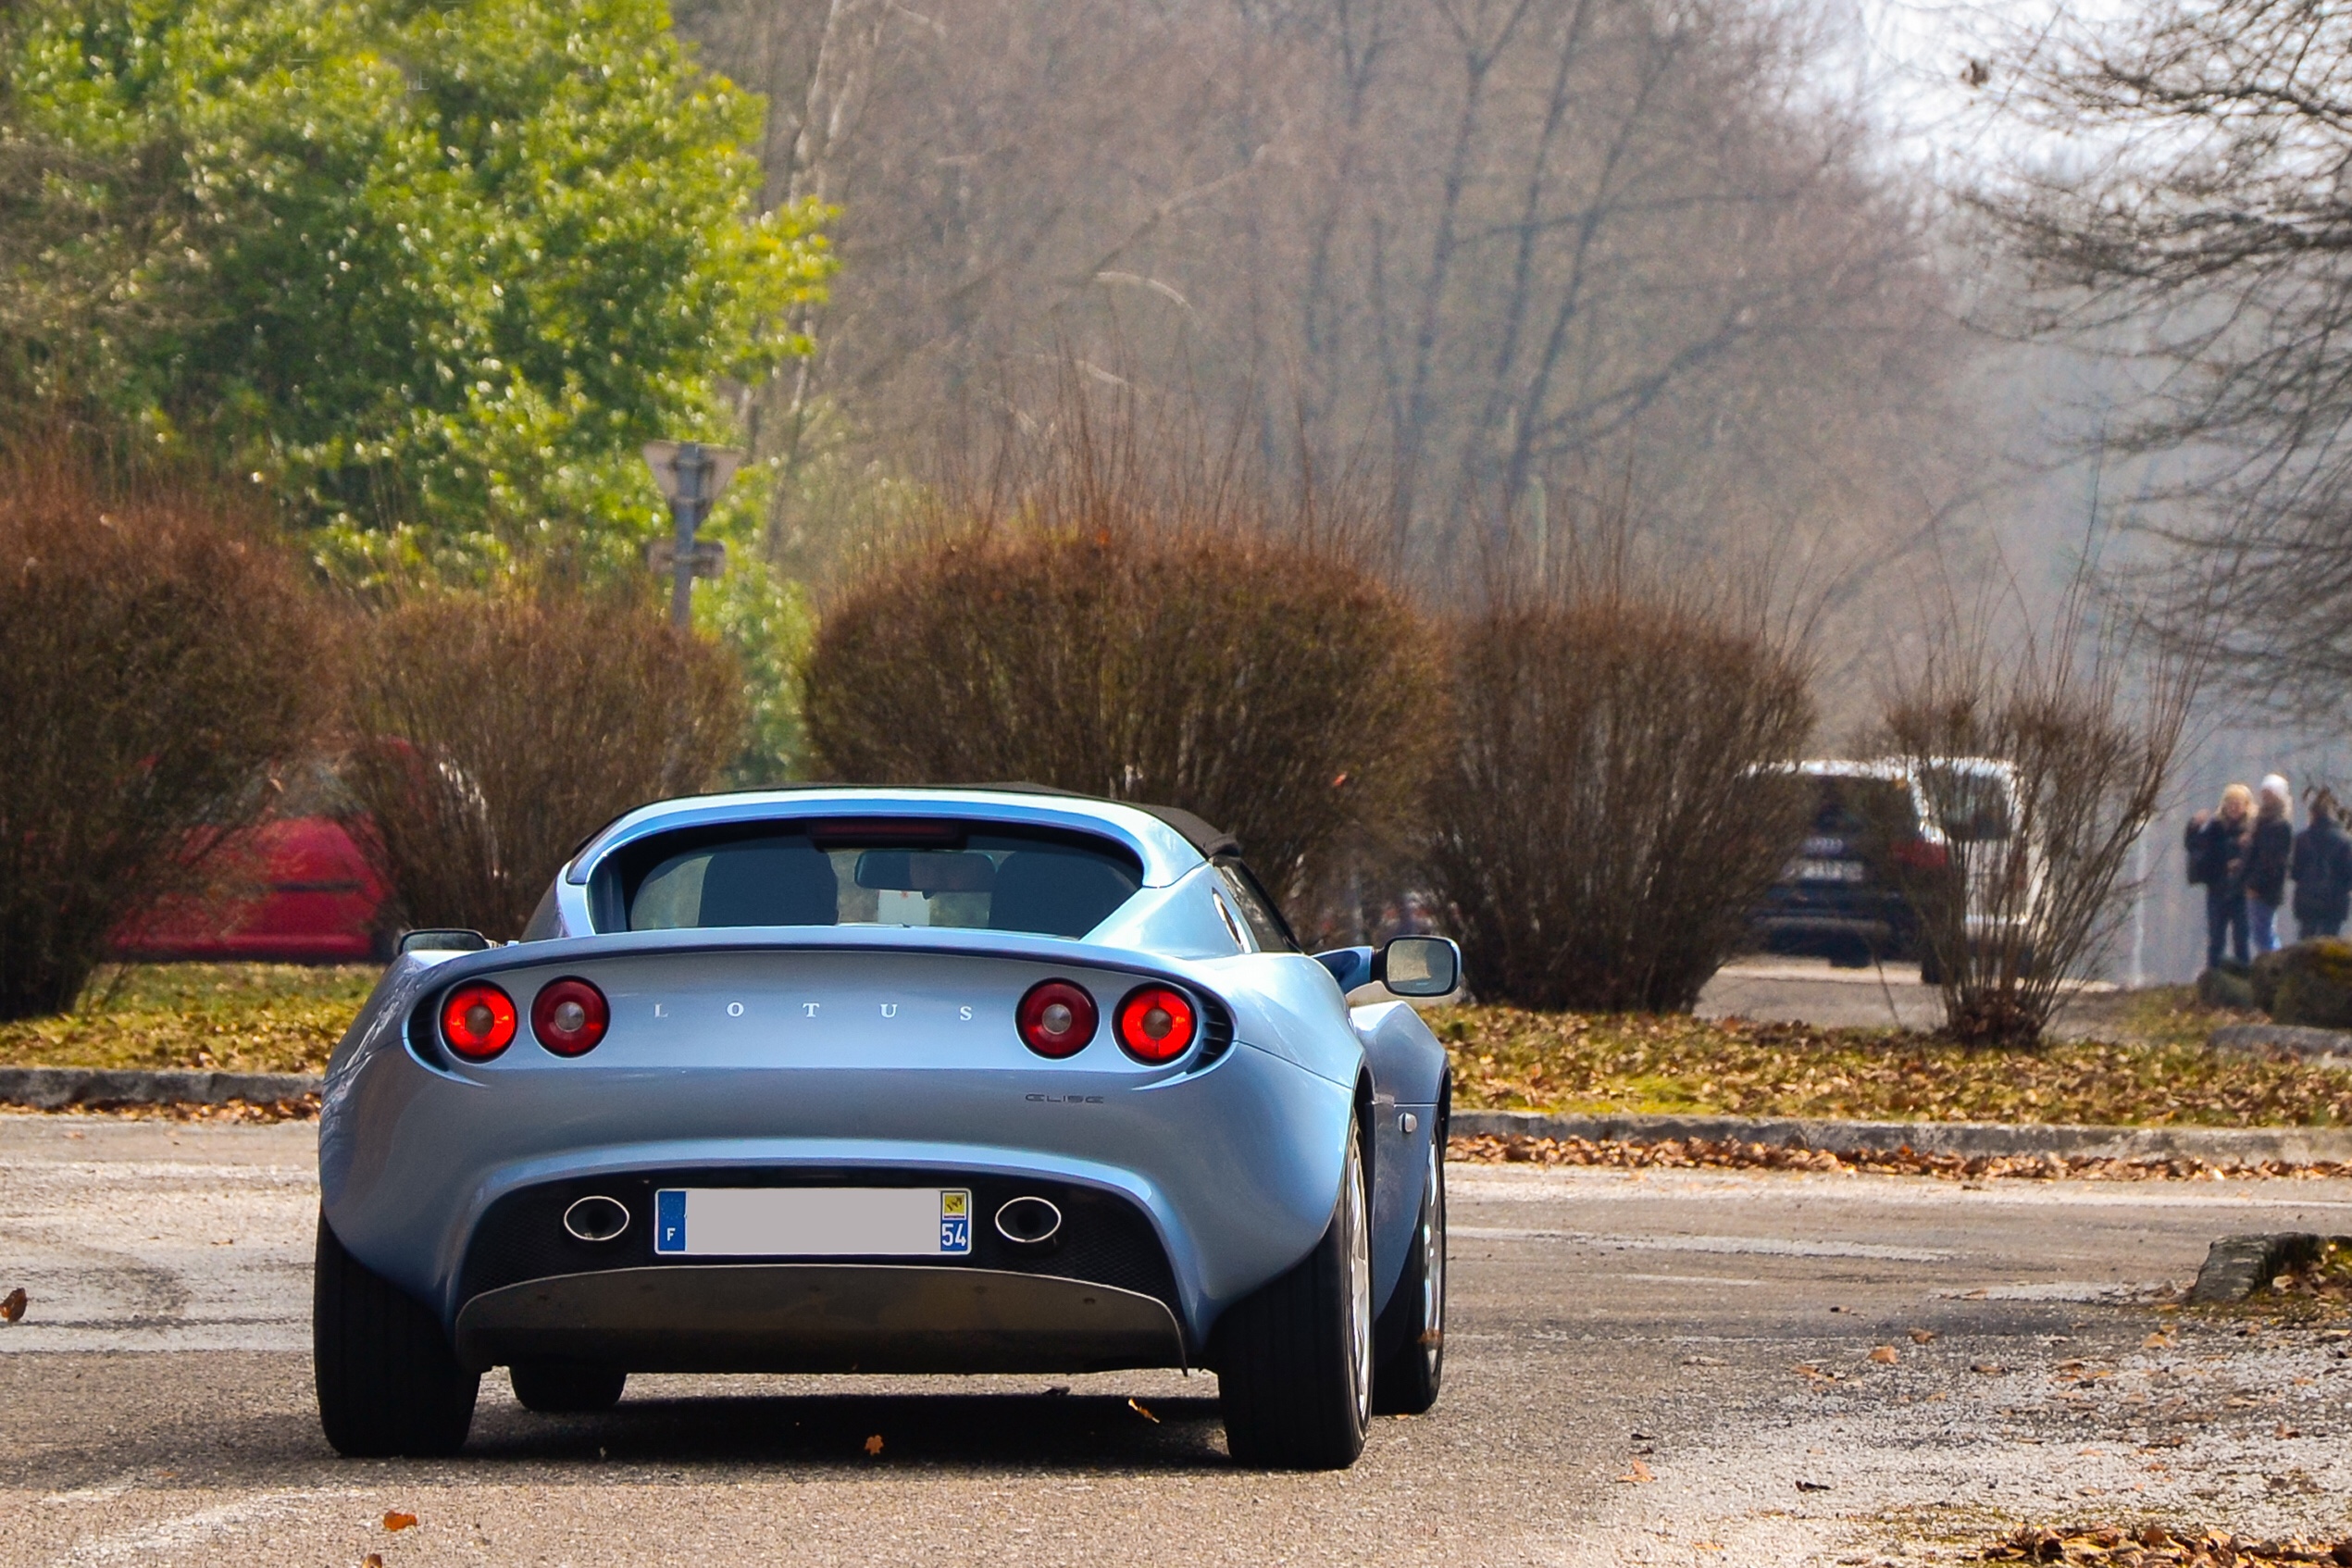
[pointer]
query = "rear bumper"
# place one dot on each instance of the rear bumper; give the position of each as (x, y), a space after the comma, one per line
(820, 1317)
(1793, 932)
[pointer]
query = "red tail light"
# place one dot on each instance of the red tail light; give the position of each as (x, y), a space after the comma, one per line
(478, 1021)
(1156, 1024)
(1918, 854)
(569, 1016)
(1056, 1018)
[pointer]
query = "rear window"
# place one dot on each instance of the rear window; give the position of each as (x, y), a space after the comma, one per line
(975, 877)
(1861, 812)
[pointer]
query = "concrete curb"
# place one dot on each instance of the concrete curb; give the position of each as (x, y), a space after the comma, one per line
(2297, 1146)
(46, 1088)
(2237, 1266)
(2325, 1047)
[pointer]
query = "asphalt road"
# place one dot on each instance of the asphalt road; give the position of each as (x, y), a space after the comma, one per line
(155, 1402)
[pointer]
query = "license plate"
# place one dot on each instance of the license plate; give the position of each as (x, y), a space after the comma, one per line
(812, 1222)
(1827, 871)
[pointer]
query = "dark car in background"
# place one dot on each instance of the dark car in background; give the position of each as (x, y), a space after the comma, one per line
(1841, 896)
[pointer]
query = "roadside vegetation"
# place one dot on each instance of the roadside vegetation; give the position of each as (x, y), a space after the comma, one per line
(2154, 1069)
(235, 1017)
(1507, 1059)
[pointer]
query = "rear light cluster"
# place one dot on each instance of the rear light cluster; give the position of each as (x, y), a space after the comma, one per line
(1919, 855)
(1153, 1024)
(569, 1016)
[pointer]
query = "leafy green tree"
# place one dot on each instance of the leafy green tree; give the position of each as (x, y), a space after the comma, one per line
(432, 272)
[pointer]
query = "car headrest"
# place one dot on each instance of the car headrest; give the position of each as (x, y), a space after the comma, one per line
(1055, 895)
(788, 883)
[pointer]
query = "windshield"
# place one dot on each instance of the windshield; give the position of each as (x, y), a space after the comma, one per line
(889, 873)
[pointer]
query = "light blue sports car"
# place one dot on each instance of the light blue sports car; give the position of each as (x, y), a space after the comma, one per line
(996, 1080)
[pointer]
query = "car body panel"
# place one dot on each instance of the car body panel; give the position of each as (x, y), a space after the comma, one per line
(792, 1053)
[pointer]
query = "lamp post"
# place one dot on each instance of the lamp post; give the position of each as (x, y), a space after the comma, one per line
(691, 476)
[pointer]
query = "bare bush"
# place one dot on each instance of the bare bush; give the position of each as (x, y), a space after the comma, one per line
(1613, 803)
(1129, 611)
(491, 731)
(2080, 733)
(158, 658)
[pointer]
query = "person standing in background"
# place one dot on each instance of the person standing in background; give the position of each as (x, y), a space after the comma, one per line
(2269, 849)
(2322, 871)
(2216, 845)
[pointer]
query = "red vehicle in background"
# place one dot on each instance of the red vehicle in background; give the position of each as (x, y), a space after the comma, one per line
(290, 889)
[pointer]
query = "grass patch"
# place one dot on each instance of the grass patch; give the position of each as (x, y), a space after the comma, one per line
(239, 1017)
(1505, 1059)
(2151, 1016)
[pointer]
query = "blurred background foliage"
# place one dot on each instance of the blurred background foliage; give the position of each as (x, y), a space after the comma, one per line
(428, 275)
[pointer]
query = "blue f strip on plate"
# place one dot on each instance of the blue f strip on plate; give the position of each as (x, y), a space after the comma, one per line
(669, 1220)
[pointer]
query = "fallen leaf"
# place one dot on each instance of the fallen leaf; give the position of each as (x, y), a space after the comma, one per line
(1812, 1486)
(1639, 1471)
(1144, 1412)
(397, 1521)
(1990, 1368)
(12, 1306)
(1885, 1355)
(1923, 1336)
(373, 1560)
(2286, 1431)
(2155, 1342)
(873, 1444)
(1938, 1397)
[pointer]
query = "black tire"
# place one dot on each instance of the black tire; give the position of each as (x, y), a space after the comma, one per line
(1294, 1358)
(1412, 1329)
(566, 1388)
(387, 1382)
(1931, 968)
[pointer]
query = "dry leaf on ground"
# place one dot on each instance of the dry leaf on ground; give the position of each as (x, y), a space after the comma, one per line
(873, 1444)
(396, 1520)
(1639, 1471)
(1923, 1336)
(1700, 1154)
(1885, 1355)
(2152, 1546)
(1144, 1412)
(12, 1306)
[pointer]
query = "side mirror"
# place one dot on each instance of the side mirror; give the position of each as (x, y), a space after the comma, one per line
(1419, 967)
(444, 938)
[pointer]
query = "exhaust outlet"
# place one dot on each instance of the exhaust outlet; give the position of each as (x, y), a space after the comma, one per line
(596, 1218)
(1028, 1222)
